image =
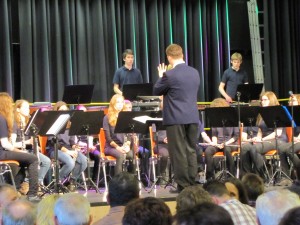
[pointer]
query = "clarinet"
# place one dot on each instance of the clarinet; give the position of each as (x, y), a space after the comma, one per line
(22, 136)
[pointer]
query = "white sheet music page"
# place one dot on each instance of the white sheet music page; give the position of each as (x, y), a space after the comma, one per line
(58, 124)
(144, 119)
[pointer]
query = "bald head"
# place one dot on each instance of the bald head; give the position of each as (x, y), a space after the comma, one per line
(7, 194)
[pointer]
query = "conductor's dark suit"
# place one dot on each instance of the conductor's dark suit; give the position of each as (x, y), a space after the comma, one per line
(179, 86)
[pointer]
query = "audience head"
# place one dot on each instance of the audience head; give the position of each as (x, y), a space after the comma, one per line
(127, 105)
(205, 213)
(6, 110)
(7, 194)
(217, 190)
(45, 210)
(236, 189)
(122, 188)
(292, 217)
(191, 196)
(254, 186)
(219, 102)
(147, 211)
(72, 209)
(60, 106)
(21, 212)
(272, 205)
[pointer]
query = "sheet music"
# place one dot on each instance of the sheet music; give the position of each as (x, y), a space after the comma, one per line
(144, 119)
(58, 124)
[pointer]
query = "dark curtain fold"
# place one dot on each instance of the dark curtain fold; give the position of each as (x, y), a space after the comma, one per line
(66, 42)
(282, 46)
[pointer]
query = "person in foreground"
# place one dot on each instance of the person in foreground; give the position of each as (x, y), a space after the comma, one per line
(7, 194)
(72, 209)
(122, 188)
(147, 211)
(21, 212)
(179, 87)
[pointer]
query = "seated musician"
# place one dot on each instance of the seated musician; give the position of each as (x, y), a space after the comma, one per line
(263, 142)
(221, 138)
(116, 145)
(68, 152)
(9, 152)
(25, 142)
(287, 150)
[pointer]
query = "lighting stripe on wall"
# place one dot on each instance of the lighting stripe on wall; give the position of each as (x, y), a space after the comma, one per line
(133, 31)
(218, 40)
(146, 40)
(201, 38)
(185, 32)
(115, 34)
(170, 22)
(228, 31)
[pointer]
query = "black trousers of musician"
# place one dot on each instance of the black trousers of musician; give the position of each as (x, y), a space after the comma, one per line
(182, 140)
(286, 151)
(26, 160)
(209, 153)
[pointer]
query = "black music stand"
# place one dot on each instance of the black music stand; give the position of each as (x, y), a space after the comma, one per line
(78, 94)
(50, 123)
(86, 124)
(274, 117)
(249, 92)
(222, 117)
(132, 91)
(131, 122)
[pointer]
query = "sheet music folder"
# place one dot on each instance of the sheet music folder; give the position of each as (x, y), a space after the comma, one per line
(48, 123)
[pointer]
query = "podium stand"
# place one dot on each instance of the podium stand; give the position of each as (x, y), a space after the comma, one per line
(78, 94)
(49, 123)
(249, 92)
(222, 117)
(86, 124)
(131, 122)
(274, 117)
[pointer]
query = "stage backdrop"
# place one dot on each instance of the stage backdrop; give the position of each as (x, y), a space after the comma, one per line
(47, 44)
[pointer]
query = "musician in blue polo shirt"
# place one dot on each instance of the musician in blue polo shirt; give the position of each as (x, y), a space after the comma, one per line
(126, 74)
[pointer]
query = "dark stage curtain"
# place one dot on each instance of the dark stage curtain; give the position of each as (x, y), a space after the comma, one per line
(282, 46)
(48, 44)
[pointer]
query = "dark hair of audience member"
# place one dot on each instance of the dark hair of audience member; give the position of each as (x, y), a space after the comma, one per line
(147, 211)
(205, 213)
(242, 194)
(122, 188)
(291, 217)
(254, 186)
(216, 188)
(191, 196)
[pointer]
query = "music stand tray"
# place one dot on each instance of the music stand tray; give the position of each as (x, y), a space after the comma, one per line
(249, 115)
(221, 117)
(296, 111)
(275, 116)
(132, 91)
(78, 94)
(249, 91)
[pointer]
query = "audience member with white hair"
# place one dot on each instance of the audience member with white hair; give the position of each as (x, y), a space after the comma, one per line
(72, 209)
(271, 206)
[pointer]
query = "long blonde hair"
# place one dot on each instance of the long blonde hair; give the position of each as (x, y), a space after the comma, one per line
(112, 111)
(6, 110)
(18, 105)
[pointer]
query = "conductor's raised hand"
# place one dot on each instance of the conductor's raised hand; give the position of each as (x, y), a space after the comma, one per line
(161, 69)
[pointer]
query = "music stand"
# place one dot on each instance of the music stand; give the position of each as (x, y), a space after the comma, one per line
(249, 91)
(222, 117)
(132, 122)
(274, 117)
(86, 124)
(132, 91)
(78, 94)
(49, 123)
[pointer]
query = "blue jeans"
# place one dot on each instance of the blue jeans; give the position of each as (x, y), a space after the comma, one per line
(45, 164)
(70, 164)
